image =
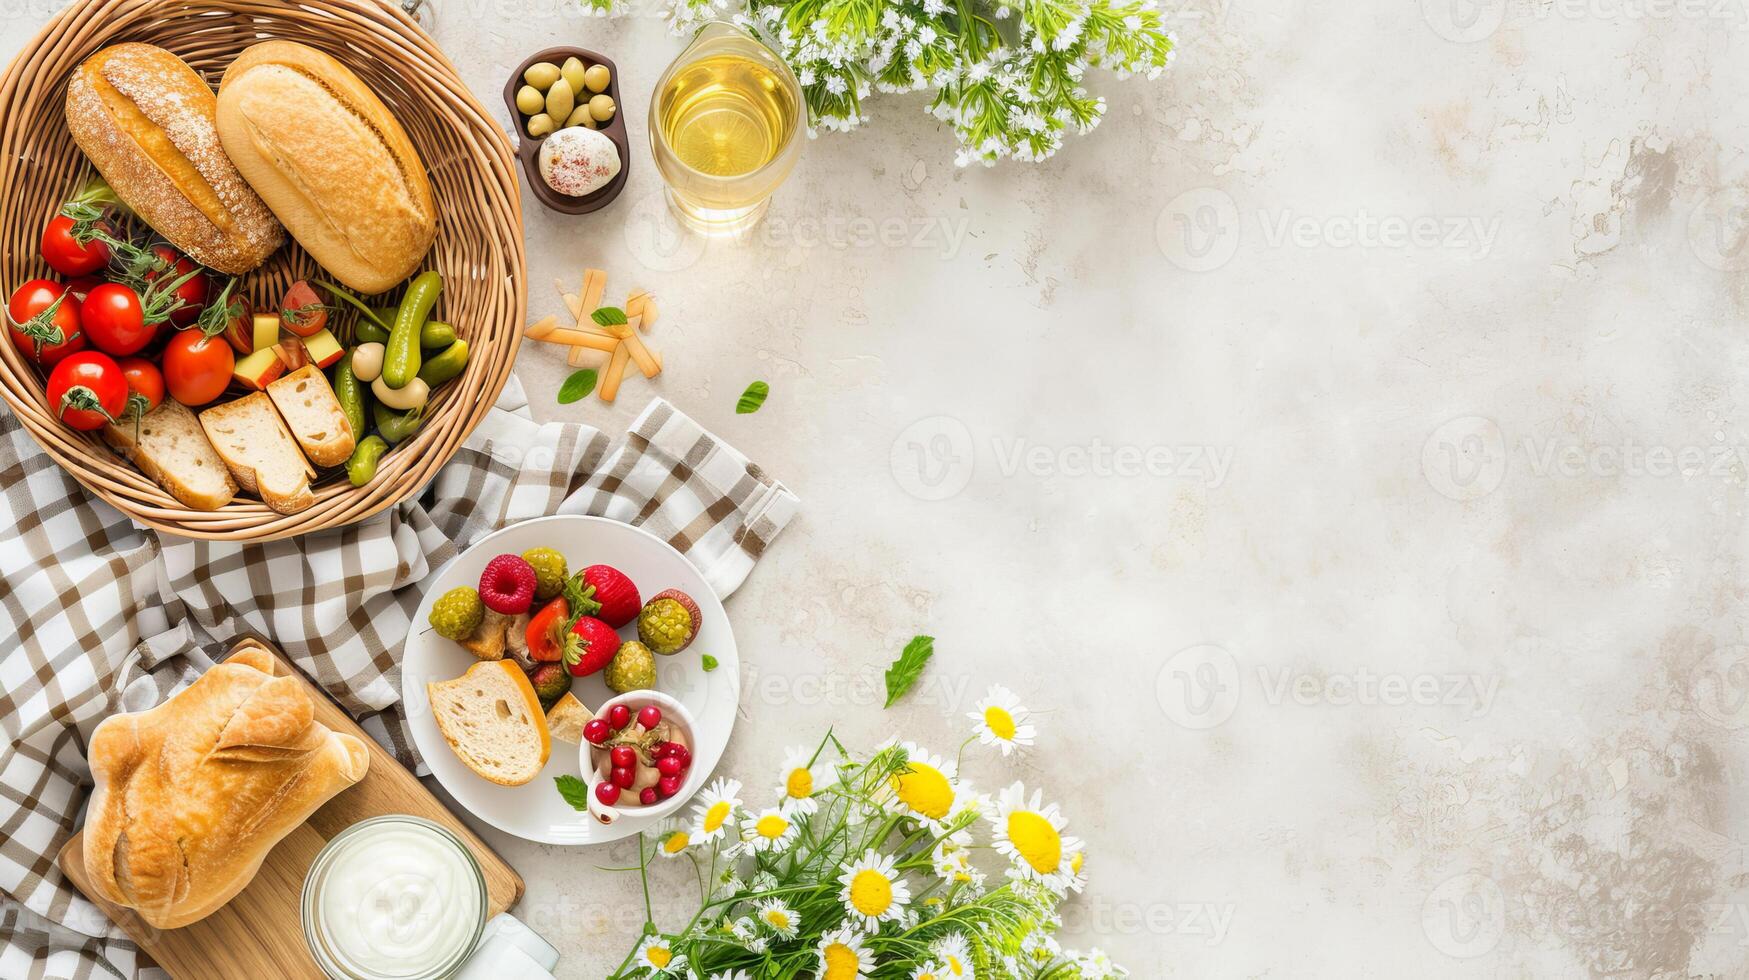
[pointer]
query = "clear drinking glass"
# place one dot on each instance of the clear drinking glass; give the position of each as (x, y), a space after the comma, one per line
(726, 126)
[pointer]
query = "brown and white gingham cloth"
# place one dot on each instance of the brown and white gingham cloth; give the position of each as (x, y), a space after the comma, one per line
(98, 615)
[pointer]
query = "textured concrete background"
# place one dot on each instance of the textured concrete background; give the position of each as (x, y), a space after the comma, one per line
(1340, 449)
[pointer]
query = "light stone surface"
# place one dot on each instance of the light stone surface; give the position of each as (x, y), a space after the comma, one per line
(1338, 449)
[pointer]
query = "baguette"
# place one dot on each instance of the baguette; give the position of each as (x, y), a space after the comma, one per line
(146, 120)
(253, 441)
(313, 414)
(330, 160)
(170, 446)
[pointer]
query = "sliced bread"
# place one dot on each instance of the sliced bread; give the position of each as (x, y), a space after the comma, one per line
(493, 721)
(313, 414)
(259, 450)
(169, 446)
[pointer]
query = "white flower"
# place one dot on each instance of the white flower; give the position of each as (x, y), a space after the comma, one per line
(924, 788)
(732, 975)
(715, 812)
(781, 919)
(746, 933)
(1098, 966)
(770, 830)
(928, 971)
(1030, 834)
(803, 779)
(673, 836)
(842, 956)
(1039, 948)
(955, 954)
(1001, 719)
(657, 955)
(873, 892)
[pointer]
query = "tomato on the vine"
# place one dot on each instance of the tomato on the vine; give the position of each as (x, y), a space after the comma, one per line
(87, 391)
(191, 290)
(302, 311)
(197, 368)
(145, 385)
(115, 320)
(43, 318)
(71, 248)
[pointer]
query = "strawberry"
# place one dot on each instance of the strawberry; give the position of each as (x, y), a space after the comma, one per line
(616, 593)
(590, 646)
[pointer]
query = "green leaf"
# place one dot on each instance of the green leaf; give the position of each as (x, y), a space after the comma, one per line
(710, 663)
(574, 790)
(577, 386)
(752, 398)
(905, 670)
(609, 316)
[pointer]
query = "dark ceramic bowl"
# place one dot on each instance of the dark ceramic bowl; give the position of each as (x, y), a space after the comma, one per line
(528, 147)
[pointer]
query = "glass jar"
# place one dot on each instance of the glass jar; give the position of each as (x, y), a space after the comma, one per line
(393, 898)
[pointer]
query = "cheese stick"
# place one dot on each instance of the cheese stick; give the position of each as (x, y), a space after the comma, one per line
(643, 305)
(542, 328)
(572, 337)
(616, 370)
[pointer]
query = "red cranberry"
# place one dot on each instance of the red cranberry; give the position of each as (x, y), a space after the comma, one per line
(595, 730)
(649, 716)
(669, 766)
(647, 796)
(619, 716)
(607, 793)
(624, 756)
(622, 777)
(667, 786)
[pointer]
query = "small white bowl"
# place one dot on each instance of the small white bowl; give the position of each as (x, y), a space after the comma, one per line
(672, 711)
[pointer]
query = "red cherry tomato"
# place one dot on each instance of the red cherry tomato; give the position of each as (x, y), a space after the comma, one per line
(145, 385)
(169, 264)
(66, 254)
(87, 390)
(43, 319)
(197, 368)
(302, 311)
(114, 319)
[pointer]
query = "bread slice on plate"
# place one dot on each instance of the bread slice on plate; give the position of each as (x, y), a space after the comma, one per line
(253, 441)
(313, 414)
(169, 446)
(566, 718)
(493, 721)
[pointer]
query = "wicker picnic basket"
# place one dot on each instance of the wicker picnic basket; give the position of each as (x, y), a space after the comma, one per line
(478, 250)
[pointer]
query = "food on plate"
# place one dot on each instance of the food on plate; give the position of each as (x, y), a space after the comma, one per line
(542, 75)
(615, 592)
(330, 160)
(529, 101)
(168, 444)
(488, 640)
(633, 668)
(578, 161)
(260, 452)
(198, 367)
(637, 760)
(313, 414)
(601, 108)
(550, 681)
(590, 646)
(457, 613)
(493, 721)
(669, 622)
(191, 795)
(147, 122)
(87, 391)
(561, 99)
(566, 718)
(550, 572)
(42, 318)
(507, 585)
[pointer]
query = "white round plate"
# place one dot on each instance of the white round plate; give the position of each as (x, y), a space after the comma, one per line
(535, 811)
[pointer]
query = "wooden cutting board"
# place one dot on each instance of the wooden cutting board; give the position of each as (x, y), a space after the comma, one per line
(259, 933)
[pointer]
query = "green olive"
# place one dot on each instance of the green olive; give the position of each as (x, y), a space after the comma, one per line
(597, 78)
(560, 100)
(580, 117)
(573, 72)
(529, 100)
(540, 125)
(601, 107)
(541, 74)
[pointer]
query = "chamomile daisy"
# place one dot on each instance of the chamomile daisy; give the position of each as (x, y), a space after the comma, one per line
(732, 975)
(1002, 721)
(843, 956)
(657, 955)
(770, 830)
(1029, 833)
(715, 811)
(1039, 948)
(924, 787)
(928, 971)
(873, 892)
(802, 782)
(955, 956)
(747, 934)
(1098, 966)
(673, 836)
(779, 918)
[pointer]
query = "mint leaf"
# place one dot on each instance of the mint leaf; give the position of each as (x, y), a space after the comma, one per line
(710, 663)
(577, 386)
(905, 670)
(752, 398)
(574, 790)
(609, 316)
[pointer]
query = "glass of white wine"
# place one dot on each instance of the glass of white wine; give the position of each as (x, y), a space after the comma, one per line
(725, 129)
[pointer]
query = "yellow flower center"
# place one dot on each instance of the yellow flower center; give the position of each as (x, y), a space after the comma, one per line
(1000, 722)
(955, 967)
(871, 893)
(1036, 840)
(1076, 860)
(925, 976)
(924, 789)
(714, 817)
(771, 826)
(778, 918)
(799, 785)
(659, 957)
(842, 963)
(676, 842)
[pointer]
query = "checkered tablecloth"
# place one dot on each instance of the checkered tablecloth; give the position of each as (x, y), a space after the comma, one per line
(99, 615)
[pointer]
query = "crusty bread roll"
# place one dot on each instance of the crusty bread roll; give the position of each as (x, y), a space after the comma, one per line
(330, 160)
(191, 795)
(146, 121)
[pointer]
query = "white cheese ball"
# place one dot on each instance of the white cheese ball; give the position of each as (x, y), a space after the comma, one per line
(578, 161)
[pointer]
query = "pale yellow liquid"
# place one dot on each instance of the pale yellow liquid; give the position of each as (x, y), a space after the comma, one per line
(726, 115)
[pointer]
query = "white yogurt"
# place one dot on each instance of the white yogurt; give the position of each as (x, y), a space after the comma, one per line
(394, 897)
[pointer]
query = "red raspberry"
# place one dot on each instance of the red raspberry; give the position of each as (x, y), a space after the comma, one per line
(507, 585)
